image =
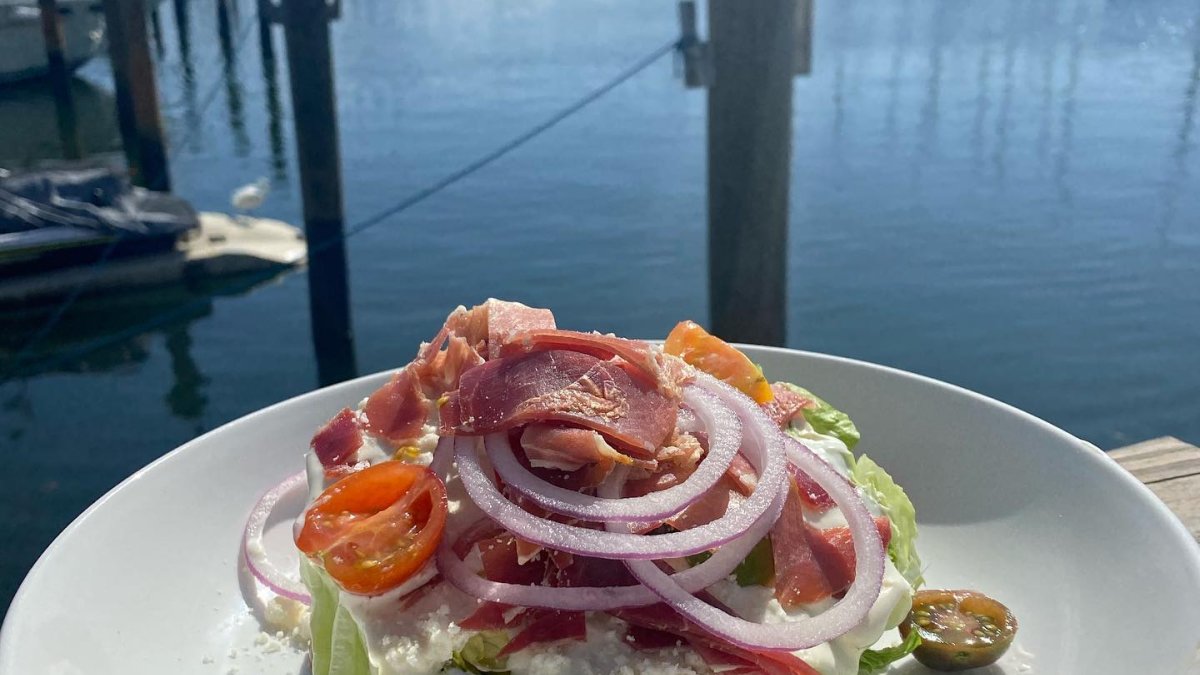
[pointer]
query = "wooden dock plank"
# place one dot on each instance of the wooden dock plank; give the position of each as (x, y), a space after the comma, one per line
(1171, 469)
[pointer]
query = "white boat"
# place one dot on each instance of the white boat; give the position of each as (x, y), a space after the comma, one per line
(22, 49)
(221, 246)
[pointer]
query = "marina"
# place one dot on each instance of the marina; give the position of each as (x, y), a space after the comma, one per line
(997, 196)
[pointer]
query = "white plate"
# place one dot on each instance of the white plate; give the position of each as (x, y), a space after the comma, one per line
(1102, 577)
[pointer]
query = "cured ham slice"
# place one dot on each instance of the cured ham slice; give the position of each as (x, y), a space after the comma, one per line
(833, 549)
(634, 352)
(336, 444)
(561, 386)
(398, 409)
(786, 404)
(570, 448)
(799, 578)
(662, 618)
(547, 625)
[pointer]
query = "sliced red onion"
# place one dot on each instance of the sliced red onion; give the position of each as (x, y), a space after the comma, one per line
(833, 622)
(725, 435)
(255, 553)
(443, 456)
(766, 448)
(602, 598)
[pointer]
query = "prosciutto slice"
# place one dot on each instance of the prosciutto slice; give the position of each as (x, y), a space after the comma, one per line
(397, 410)
(662, 618)
(547, 625)
(336, 444)
(799, 578)
(786, 404)
(635, 352)
(561, 386)
(570, 448)
(833, 549)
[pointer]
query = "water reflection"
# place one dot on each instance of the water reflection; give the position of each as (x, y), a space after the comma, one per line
(29, 129)
(102, 334)
(982, 102)
(1062, 163)
(183, 33)
(229, 69)
(1006, 92)
(903, 37)
(1177, 171)
(156, 31)
(275, 138)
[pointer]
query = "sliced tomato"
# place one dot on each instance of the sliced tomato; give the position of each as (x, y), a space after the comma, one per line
(375, 528)
(718, 358)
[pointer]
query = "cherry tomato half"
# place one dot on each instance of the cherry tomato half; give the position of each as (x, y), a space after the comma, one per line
(718, 358)
(375, 528)
(959, 629)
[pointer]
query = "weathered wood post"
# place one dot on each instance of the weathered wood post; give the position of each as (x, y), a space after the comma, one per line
(60, 79)
(136, 93)
(752, 44)
(310, 73)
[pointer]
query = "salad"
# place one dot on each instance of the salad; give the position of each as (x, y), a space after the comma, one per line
(526, 499)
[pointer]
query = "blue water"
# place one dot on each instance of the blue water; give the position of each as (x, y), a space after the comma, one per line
(1001, 195)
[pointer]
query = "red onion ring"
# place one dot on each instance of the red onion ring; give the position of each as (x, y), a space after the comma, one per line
(443, 456)
(724, 431)
(833, 622)
(255, 554)
(602, 598)
(625, 545)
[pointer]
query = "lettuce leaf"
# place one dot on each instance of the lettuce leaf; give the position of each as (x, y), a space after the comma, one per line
(872, 479)
(875, 660)
(826, 419)
(481, 654)
(758, 569)
(337, 641)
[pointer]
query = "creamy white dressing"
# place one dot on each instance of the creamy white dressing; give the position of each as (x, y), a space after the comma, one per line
(836, 657)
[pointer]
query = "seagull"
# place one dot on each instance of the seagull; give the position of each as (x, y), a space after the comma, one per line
(250, 197)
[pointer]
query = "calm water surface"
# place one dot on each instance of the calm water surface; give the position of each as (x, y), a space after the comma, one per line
(1001, 195)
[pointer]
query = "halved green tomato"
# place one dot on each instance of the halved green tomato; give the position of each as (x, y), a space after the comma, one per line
(959, 629)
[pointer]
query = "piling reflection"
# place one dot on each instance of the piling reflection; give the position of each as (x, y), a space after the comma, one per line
(229, 70)
(183, 33)
(1177, 171)
(275, 139)
(1006, 93)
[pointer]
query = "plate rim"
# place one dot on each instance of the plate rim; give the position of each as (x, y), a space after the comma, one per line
(1088, 450)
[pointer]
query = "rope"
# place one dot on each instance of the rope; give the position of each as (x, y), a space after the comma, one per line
(368, 222)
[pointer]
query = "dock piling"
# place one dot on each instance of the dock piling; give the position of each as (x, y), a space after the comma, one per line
(310, 72)
(752, 50)
(60, 79)
(136, 93)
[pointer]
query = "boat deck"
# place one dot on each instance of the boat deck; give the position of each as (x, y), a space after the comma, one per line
(223, 245)
(1171, 468)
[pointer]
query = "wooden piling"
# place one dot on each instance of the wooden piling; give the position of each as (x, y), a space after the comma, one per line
(752, 46)
(310, 72)
(136, 93)
(60, 79)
